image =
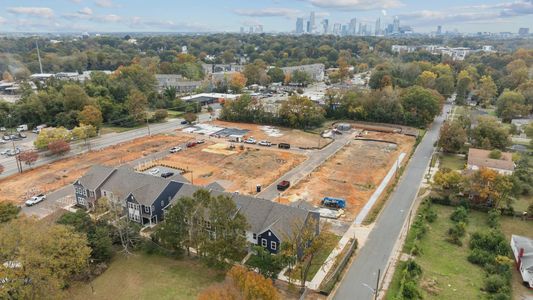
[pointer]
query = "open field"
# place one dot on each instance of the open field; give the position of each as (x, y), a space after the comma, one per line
(144, 276)
(451, 276)
(235, 169)
(451, 161)
(44, 179)
(296, 138)
(354, 172)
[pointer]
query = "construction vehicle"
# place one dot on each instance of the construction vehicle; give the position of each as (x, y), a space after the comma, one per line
(336, 203)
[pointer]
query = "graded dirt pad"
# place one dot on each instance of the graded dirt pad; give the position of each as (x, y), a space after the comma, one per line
(44, 179)
(297, 138)
(239, 171)
(354, 172)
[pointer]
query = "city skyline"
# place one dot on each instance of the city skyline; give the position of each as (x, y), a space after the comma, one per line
(270, 16)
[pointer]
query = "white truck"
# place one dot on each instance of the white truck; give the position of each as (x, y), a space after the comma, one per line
(39, 128)
(22, 127)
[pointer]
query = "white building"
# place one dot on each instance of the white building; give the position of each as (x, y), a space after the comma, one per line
(523, 254)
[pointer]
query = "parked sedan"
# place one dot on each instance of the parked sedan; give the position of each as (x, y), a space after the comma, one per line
(191, 144)
(175, 149)
(264, 143)
(154, 171)
(167, 174)
(250, 141)
(35, 199)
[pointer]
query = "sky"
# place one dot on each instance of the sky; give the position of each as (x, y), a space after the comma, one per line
(274, 15)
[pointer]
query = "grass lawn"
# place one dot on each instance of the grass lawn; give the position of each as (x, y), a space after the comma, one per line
(451, 161)
(174, 113)
(109, 129)
(447, 265)
(331, 242)
(522, 203)
(144, 276)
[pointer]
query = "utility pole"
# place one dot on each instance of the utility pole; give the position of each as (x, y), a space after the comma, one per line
(148, 126)
(377, 286)
(17, 161)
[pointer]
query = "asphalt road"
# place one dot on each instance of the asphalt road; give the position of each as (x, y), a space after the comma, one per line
(375, 254)
(316, 158)
(103, 141)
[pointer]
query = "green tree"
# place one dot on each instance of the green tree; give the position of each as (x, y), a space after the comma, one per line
(489, 134)
(448, 180)
(49, 135)
(48, 255)
(511, 104)
(74, 97)
(444, 84)
(276, 74)
(465, 84)
(453, 136)
(190, 117)
(487, 90)
(301, 112)
(420, 105)
(8, 211)
(301, 77)
(427, 79)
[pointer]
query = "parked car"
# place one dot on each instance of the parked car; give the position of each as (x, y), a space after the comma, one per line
(11, 152)
(2, 141)
(175, 149)
(35, 199)
(264, 143)
(3, 129)
(4, 152)
(191, 144)
(6, 137)
(250, 140)
(283, 185)
(284, 146)
(22, 127)
(154, 171)
(184, 122)
(22, 135)
(38, 129)
(167, 174)
(198, 142)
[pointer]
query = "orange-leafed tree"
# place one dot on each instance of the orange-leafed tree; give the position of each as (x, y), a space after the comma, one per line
(238, 82)
(59, 147)
(241, 283)
(28, 157)
(487, 185)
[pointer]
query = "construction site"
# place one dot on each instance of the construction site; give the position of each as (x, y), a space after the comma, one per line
(353, 173)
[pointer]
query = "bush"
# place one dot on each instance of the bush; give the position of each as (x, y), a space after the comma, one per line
(494, 283)
(460, 214)
(480, 257)
(455, 233)
(410, 290)
(493, 242)
(160, 115)
(431, 216)
(413, 269)
(493, 219)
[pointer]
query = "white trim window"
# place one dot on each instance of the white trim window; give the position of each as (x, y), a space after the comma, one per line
(81, 201)
(273, 245)
(264, 243)
(147, 209)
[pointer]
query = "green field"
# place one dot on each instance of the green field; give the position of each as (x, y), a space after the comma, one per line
(446, 272)
(142, 276)
(451, 161)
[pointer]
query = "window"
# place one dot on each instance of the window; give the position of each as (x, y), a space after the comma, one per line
(91, 194)
(269, 233)
(254, 236)
(273, 245)
(162, 203)
(264, 243)
(105, 194)
(81, 201)
(147, 209)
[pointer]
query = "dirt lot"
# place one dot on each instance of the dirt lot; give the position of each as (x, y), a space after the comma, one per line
(236, 169)
(354, 172)
(50, 177)
(296, 138)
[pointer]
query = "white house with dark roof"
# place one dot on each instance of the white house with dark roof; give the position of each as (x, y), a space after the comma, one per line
(523, 254)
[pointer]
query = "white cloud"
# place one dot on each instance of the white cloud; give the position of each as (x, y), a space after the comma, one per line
(43, 12)
(3, 20)
(85, 11)
(108, 18)
(268, 12)
(76, 1)
(104, 3)
(140, 23)
(355, 4)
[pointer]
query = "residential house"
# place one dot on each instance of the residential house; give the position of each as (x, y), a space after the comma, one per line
(145, 197)
(523, 253)
(479, 158)
(181, 84)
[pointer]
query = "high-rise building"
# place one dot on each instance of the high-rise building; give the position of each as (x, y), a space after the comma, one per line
(308, 28)
(312, 21)
(337, 27)
(325, 26)
(300, 25)
(259, 29)
(439, 30)
(352, 26)
(396, 25)
(360, 31)
(378, 27)
(242, 30)
(523, 31)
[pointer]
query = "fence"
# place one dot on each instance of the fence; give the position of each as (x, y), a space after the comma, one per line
(329, 283)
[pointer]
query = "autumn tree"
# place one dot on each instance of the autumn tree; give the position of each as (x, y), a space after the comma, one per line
(241, 283)
(237, 82)
(427, 79)
(526, 89)
(489, 188)
(6, 76)
(28, 157)
(59, 147)
(510, 105)
(465, 84)
(84, 132)
(49, 135)
(448, 180)
(136, 104)
(190, 117)
(487, 90)
(91, 115)
(49, 256)
(453, 136)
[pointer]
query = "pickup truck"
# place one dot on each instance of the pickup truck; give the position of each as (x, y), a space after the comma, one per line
(283, 185)
(35, 199)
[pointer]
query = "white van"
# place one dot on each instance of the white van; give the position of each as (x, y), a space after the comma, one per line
(22, 127)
